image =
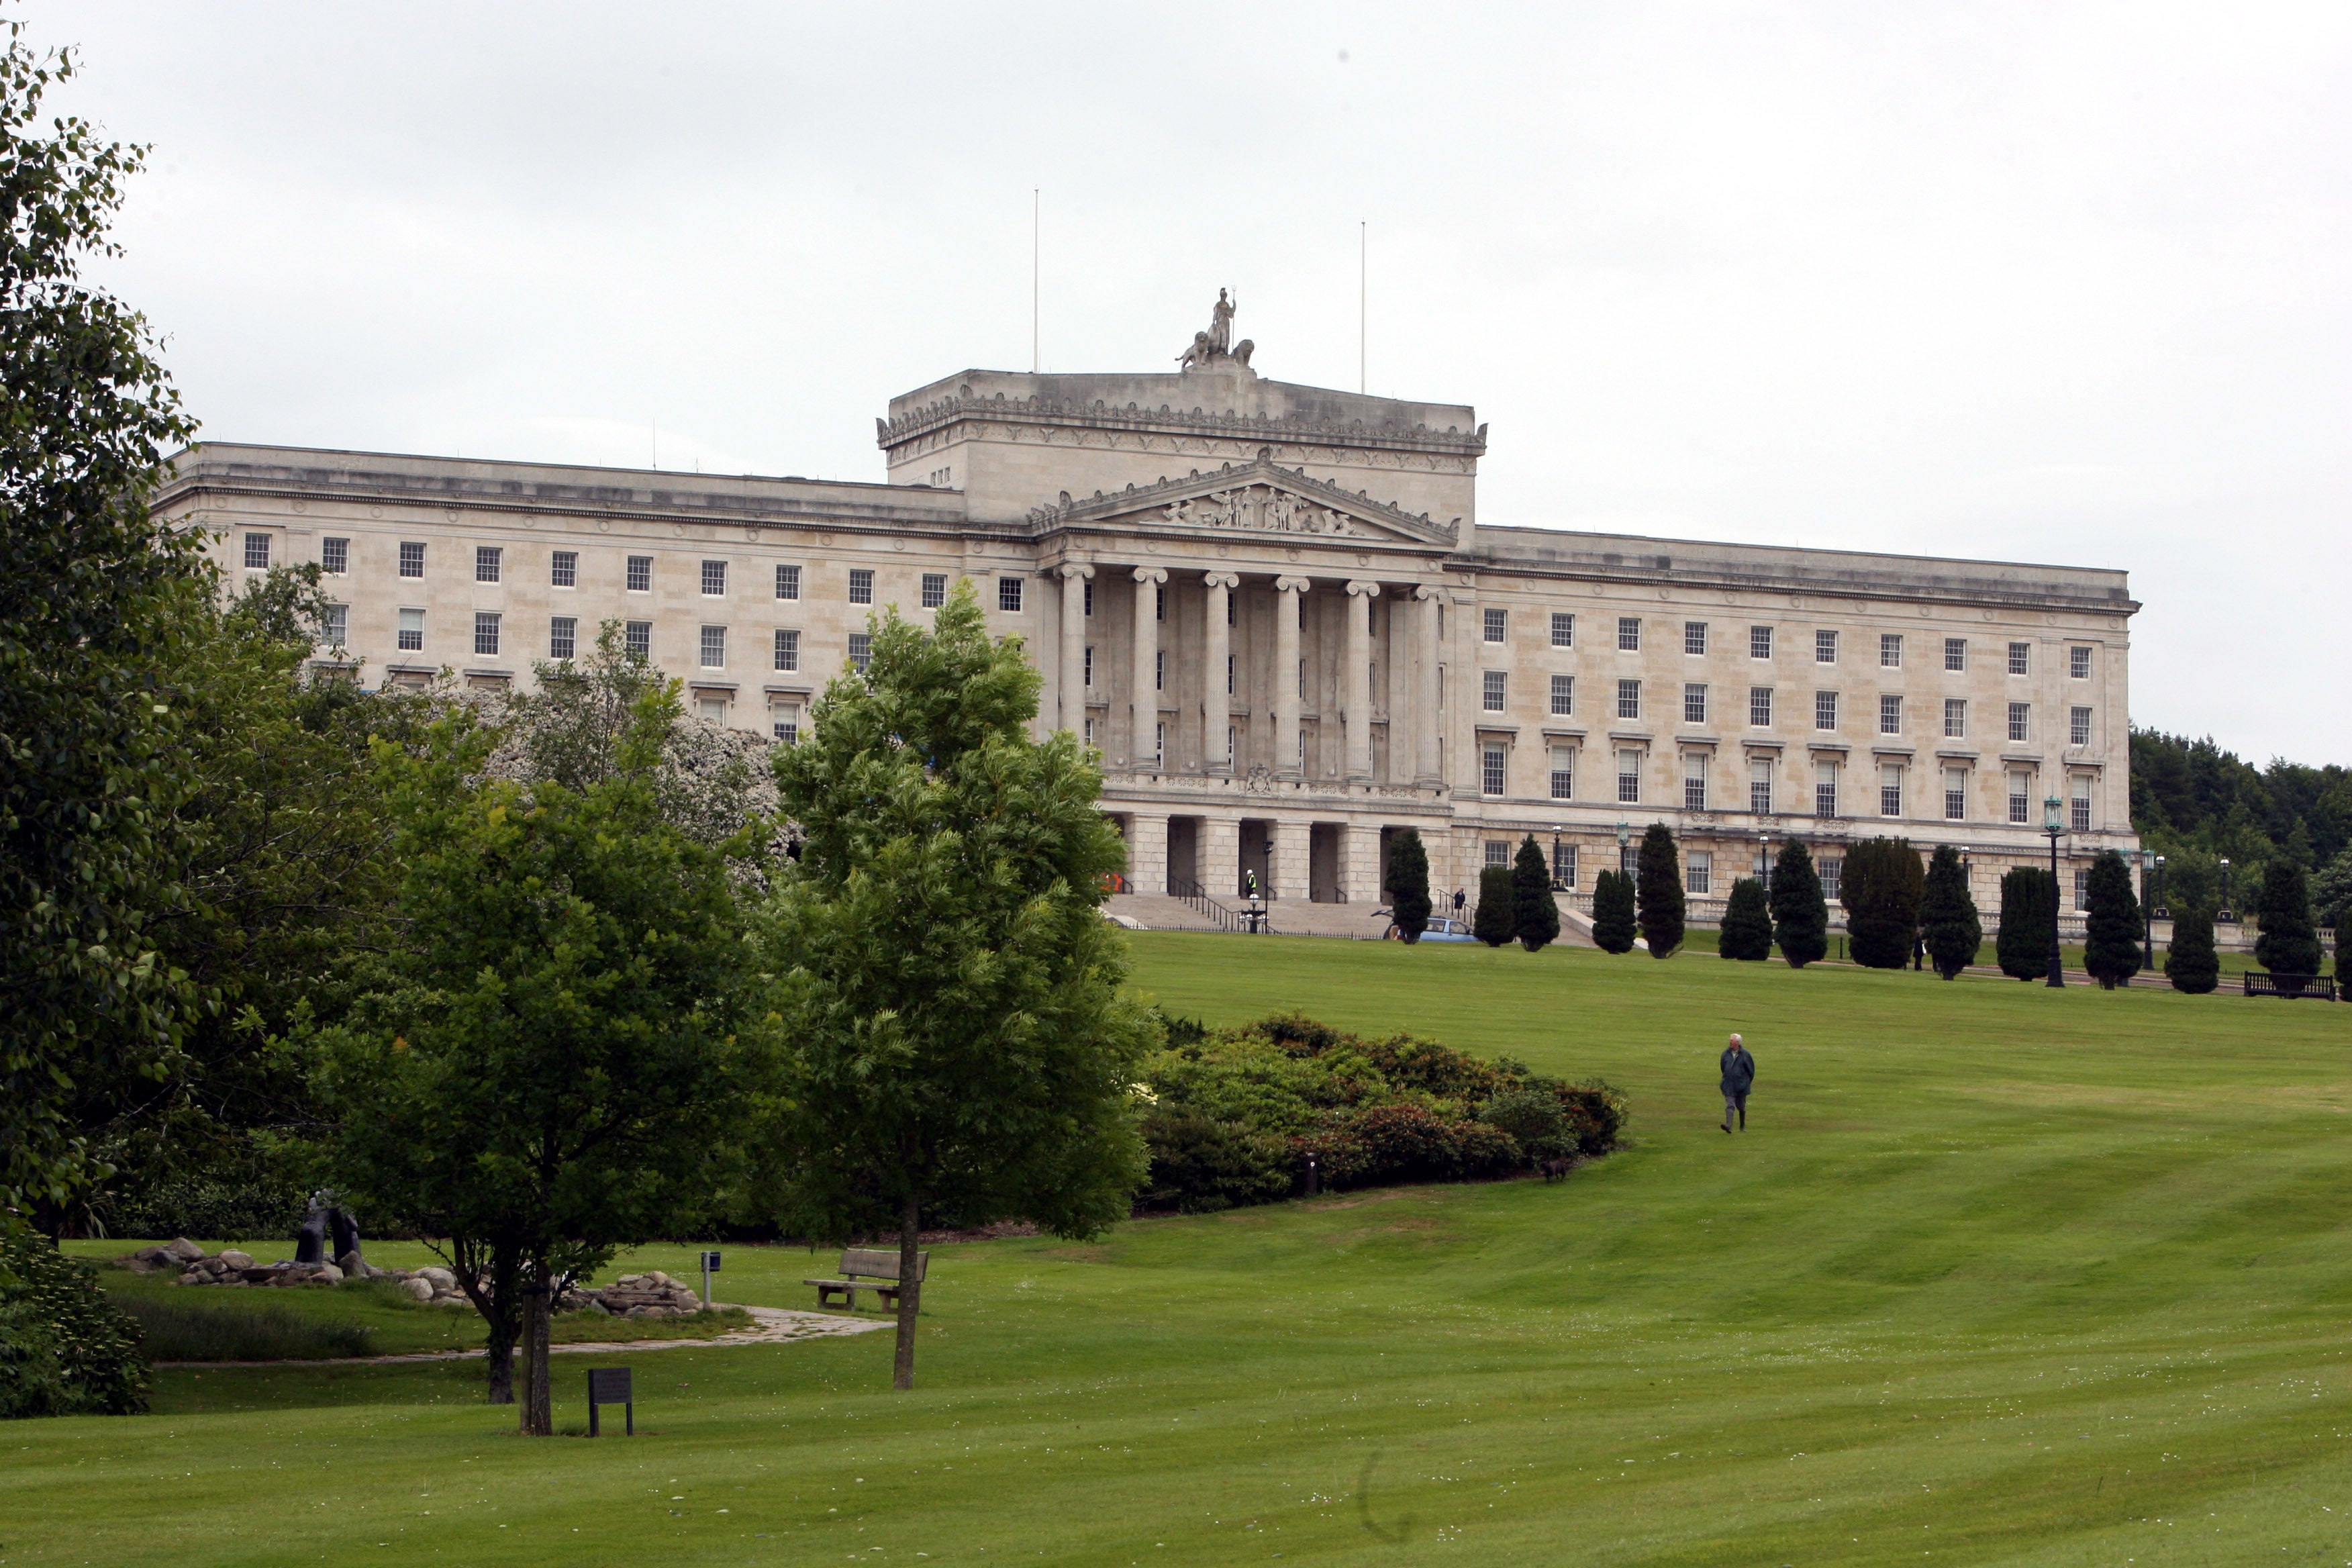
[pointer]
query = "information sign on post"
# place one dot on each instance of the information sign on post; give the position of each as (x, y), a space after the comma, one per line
(709, 1266)
(610, 1386)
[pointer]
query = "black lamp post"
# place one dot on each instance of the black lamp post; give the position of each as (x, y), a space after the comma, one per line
(1558, 886)
(2228, 915)
(2148, 902)
(2162, 913)
(1625, 837)
(2054, 823)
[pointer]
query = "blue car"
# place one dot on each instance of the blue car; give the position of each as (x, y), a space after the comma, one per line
(1441, 928)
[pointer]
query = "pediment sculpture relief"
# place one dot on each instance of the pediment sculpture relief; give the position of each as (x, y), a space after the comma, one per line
(1264, 509)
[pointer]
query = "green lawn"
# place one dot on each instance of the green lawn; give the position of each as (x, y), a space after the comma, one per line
(1998, 1276)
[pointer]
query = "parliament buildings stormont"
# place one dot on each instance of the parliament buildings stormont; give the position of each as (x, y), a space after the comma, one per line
(1276, 613)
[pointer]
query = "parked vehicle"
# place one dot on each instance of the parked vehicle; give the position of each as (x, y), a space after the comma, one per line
(1441, 928)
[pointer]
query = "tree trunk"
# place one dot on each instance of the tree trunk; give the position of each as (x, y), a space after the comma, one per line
(538, 1399)
(910, 1290)
(505, 1279)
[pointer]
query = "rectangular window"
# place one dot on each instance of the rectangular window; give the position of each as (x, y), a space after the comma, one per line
(1159, 744)
(785, 719)
(1090, 731)
(787, 649)
(2021, 797)
(2082, 889)
(256, 553)
(1090, 679)
(1694, 702)
(1499, 852)
(1759, 642)
(339, 624)
(1699, 871)
(788, 581)
(1694, 636)
(1090, 599)
(1955, 718)
(861, 584)
(1825, 782)
(1563, 696)
(2021, 656)
(1759, 785)
(411, 559)
(1491, 772)
(1563, 772)
(562, 637)
(2080, 816)
(1890, 789)
(1956, 653)
(1230, 663)
(935, 590)
(2078, 727)
(486, 632)
(639, 578)
(1629, 860)
(1629, 634)
(2021, 720)
(1491, 696)
(412, 631)
(1160, 670)
(1008, 594)
(638, 637)
(2078, 663)
(1628, 777)
(563, 569)
(1890, 715)
(1563, 865)
(1494, 625)
(1159, 603)
(1833, 873)
(714, 647)
(1563, 629)
(489, 563)
(1890, 650)
(1824, 709)
(1694, 782)
(861, 650)
(1826, 648)
(335, 556)
(1233, 608)
(714, 579)
(1629, 700)
(1955, 793)
(1759, 707)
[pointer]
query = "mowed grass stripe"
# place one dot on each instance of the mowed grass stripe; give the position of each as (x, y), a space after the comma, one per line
(1997, 1275)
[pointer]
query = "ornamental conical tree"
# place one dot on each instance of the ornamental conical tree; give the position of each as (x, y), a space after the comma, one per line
(1613, 912)
(1408, 885)
(1800, 915)
(1881, 892)
(2110, 942)
(1747, 931)
(1658, 891)
(2190, 963)
(2029, 902)
(2288, 943)
(1535, 914)
(1948, 914)
(1492, 924)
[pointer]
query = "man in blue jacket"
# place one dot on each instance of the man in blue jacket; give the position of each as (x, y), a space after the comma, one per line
(1739, 1077)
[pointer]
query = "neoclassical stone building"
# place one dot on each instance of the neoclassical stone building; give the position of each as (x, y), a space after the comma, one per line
(1276, 613)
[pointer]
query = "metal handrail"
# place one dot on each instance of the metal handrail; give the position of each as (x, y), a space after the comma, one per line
(1196, 898)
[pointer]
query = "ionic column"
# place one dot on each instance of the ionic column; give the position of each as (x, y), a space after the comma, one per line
(1360, 680)
(1216, 702)
(1145, 676)
(1425, 731)
(1073, 695)
(1286, 674)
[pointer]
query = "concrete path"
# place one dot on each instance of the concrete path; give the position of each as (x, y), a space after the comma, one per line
(770, 1326)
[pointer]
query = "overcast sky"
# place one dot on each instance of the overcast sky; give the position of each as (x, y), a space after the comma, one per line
(2042, 281)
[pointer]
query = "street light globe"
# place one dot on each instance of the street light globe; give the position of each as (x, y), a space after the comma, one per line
(2052, 821)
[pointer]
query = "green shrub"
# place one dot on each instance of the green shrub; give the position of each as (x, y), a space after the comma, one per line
(1595, 1110)
(1408, 885)
(65, 1348)
(1800, 915)
(1881, 892)
(1481, 1152)
(2111, 944)
(1492, 922)
(2029, 904)
(1747, 931)
(1533, 1118)
(1200, 1164)
(217, 1208)
(2191, 963)
(1613, 912)
(1535, 913)
(243, 1328)
(1948, 914)
(1658, 890)
(2289, 941)
(1406, 1143)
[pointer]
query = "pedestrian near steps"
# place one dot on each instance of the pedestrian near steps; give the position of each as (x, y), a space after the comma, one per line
(1739, 1077)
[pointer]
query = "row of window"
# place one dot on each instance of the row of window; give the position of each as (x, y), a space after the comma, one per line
(1696, 634)
(1495, 698)
(563, 639)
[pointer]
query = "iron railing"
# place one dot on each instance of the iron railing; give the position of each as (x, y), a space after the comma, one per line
(1196, 898)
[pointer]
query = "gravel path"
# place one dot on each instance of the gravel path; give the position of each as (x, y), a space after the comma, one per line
(770, 1326)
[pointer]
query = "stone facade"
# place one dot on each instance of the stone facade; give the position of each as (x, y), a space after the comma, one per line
(1273, 611)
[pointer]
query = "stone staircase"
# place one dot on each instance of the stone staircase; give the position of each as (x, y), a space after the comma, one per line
(1158, 911)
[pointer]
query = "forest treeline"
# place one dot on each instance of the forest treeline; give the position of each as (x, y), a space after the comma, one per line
(2197, 805)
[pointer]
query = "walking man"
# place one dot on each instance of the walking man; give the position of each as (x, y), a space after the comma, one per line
(1738, 1075)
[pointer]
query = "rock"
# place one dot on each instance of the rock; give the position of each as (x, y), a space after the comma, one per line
(657, 1277)
(458, 1301)
(327, 1272)
(417, 1289)
(259, 1276)
(193, 1276)
(442, 1278)
(181, 1247)
(232, 1258)
(353, 1266)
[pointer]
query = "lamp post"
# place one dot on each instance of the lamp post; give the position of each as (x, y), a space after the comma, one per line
(2162, 913)
(2226, 914)
(1556, 831)
(2148, 902)
(1624, 836)
(2054, 823)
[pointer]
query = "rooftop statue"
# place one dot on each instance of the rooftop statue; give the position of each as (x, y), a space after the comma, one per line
(1216, 346)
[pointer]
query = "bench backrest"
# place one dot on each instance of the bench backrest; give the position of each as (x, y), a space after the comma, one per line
(874, 1263)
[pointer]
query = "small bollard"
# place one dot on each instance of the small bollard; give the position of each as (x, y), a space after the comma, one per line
(709, 1266)
(1313, 1184)
(610, 1386)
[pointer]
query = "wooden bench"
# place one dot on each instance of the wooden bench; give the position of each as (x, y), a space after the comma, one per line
(866, 1268)
(2259, 983)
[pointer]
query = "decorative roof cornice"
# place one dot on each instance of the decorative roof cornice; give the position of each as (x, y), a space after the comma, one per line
(1166, 420)
(1100, 505)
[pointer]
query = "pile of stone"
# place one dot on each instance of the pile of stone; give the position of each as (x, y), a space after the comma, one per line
(230, 1267)
(648, 1295)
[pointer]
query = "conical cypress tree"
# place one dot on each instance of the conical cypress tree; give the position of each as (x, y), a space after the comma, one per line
(2110, 942)
(2190, 963)
(1800, 915)
(2288, 943)
(1613, 912)
(1408, 885)
(1658, 891)
(2029, 902)
(1947, 915)
(1492, 924)
(1881, 892)
(1535, 914)
(1747, 931)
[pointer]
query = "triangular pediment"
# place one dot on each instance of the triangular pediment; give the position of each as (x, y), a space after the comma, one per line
(1261, 499)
